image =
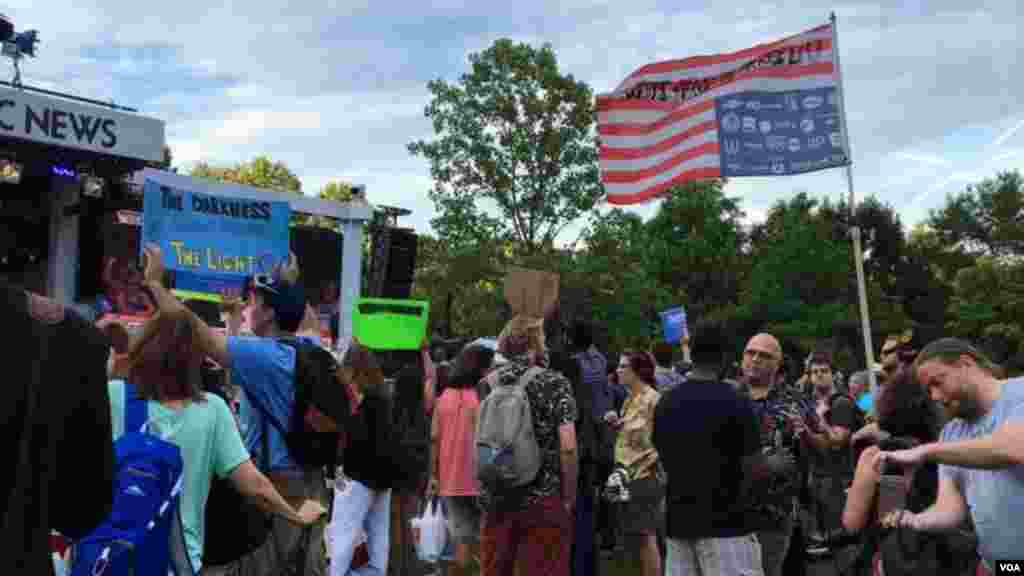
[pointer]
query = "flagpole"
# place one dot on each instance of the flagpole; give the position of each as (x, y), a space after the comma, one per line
(858, 255)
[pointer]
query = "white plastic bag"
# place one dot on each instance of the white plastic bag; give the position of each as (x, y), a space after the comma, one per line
(430, 532)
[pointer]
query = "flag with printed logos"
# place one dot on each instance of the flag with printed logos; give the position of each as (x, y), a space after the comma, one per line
(770, 110)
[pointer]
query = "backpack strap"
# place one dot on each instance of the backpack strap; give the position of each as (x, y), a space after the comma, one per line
(135, 409)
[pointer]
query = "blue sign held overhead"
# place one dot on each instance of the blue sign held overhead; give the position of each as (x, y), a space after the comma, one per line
(214, 242)
(779, 133)
(673, 324)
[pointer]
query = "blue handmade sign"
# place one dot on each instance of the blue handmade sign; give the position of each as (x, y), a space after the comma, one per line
(213, 242)
(673, 324)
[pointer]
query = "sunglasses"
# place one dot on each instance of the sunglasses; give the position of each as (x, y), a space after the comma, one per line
(265, 282)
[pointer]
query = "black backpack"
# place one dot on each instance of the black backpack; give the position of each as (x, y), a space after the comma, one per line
(235, 526)
(320, 410)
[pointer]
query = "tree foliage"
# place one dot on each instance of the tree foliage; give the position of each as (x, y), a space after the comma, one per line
(513, 158)
(987, 218)
(261, 172)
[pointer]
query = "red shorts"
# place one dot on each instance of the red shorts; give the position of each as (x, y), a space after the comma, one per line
(539, 538)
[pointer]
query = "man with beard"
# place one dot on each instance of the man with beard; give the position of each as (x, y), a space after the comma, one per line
(980, 453)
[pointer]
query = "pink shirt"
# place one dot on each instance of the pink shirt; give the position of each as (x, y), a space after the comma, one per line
(455, 425)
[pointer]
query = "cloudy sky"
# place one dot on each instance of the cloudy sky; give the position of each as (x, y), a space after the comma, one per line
(336, 89)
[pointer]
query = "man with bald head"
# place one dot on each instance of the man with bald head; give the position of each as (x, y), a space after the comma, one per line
(786, 420)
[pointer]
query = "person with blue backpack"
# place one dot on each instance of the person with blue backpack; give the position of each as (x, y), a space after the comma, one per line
(282, 379)
(171, 439)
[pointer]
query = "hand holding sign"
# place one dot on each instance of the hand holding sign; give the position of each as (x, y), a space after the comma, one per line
(153, 262)
(673, 323)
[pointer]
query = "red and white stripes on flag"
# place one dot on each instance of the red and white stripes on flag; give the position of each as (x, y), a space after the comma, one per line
(659, 127)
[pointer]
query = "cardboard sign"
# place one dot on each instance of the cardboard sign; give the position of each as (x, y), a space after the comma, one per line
(382, 324)
(673, 324)
(531, 293)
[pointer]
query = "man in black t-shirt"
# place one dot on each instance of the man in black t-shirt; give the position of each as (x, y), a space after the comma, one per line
(831, 464)
(708, 441)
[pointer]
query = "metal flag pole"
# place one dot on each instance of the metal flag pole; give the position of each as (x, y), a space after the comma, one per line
(858, 255)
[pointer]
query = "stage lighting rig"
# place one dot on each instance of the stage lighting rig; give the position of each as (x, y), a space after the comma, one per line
(17, 45)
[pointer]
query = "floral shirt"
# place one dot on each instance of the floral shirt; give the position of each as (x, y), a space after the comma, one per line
(774, 498)
(634, 448)
(552, 404)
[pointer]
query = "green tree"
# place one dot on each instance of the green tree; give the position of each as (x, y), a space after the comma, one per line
(261, 172)
(985, 218)
(513, 158)
(334, 191)
(987, 307)
(800, 280)
(615, 278)
(694, 245)
(464, 288)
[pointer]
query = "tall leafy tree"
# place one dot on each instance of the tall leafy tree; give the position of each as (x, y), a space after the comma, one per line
(986, 218)
(987, 307)
(801, 269)
(513, 156)
(614, 276)
(261, 172)
(694, 244)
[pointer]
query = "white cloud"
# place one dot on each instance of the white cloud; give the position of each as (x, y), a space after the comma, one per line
(337, 89)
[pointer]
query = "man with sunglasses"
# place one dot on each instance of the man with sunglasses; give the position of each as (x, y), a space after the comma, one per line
(785, 418)
(263, 368)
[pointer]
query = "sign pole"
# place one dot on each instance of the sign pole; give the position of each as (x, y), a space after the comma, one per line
(855, 232)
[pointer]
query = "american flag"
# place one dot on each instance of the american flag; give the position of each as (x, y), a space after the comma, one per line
(660, 128)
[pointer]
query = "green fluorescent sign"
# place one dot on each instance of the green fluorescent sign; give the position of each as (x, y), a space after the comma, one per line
(383, 324)
(189, 295)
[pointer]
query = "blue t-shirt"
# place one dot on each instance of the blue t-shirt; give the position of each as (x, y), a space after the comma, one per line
(264, 370)
(992, 494)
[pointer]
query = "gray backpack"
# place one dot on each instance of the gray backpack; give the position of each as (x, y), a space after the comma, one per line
(508, 455)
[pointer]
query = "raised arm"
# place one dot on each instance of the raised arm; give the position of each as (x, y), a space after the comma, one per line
(209, 342)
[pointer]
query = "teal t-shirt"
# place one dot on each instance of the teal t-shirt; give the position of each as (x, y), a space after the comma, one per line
(210, 444)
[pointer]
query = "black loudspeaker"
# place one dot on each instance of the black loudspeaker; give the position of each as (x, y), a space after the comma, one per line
(319, 252)
(392, 263)
(402, 256)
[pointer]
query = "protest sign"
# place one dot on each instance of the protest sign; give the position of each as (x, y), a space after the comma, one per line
(531, 293)
(213, 242)
(673, 324)
(383, 324)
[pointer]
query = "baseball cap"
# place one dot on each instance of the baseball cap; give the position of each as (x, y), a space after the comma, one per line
(286, 299)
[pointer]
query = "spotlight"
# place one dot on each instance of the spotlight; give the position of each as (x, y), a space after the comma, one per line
(92, 187)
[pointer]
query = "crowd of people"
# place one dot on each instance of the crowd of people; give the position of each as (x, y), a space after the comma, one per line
(543, 460)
